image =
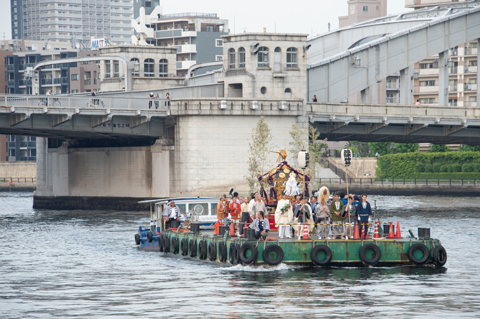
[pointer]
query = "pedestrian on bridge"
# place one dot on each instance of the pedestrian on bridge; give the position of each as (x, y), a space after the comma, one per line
(150, 103)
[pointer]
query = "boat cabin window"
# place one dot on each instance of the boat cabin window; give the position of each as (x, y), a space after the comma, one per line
(193, 209)
(182, 208)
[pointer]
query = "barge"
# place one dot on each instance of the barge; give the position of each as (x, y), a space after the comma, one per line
(195, 239)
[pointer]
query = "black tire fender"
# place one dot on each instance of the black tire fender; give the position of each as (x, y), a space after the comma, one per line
(202, 247)
(363, 254)
(184, 246)
(166, 244)
(439, 256)
(149, 236)
(137, 239)
(212, 251)
(222, 252)
(175, 245)
(232, 253)
(160, 242)
(253, 257)
(273, 248)
(193, 248)
(415, 247)
(316, 250)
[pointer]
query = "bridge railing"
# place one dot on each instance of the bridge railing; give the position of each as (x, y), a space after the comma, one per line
(401, 181)
(84, 102)
(18, 179)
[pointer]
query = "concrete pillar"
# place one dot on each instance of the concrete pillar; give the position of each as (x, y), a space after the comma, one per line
(405, 86)
(443, 78)
(478, 72)
(41, 165)
(373, 92)
(364, 96)
(60, 172)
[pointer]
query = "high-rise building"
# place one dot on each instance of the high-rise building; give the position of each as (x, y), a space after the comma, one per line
(462, 69)
(149, 5)
(75, 21)
(197, 36)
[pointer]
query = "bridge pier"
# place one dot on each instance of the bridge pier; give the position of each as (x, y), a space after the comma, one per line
(478, 73)
(443, 78)
(406, 86)
(207, 156)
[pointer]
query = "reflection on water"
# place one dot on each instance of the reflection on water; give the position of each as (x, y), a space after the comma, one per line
(57, 264)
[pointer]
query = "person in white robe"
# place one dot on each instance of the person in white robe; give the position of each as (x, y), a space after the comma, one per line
(283, 215)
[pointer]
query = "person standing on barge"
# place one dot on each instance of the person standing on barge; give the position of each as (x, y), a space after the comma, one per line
(364, 212)
(323, 215)
(303, 209)
(223, 209)
(284, 215)
(235, 212)
(336, 208)
(261, 226)
(258, 206)
(171, 213)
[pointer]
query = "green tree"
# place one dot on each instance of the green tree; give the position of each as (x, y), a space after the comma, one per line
(382, 148)
(437, 148)
(469, 148)
(299, 140)
(259, 148)
(317, 148)
(360, 148)
(406, 147)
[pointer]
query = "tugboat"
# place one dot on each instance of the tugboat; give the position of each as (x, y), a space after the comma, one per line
(194, 237)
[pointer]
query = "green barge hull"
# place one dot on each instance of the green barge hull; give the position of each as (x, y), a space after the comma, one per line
(380, 252)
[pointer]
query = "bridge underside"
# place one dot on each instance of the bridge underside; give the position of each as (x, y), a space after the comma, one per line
(454, 133)
(84, 129)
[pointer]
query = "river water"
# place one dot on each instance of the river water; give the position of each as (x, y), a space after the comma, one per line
(83, 264)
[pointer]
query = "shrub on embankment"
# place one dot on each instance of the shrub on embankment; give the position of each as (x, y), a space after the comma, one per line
(434, 165)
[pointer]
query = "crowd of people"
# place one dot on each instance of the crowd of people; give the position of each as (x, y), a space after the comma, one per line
(331, 218)
(335, 217)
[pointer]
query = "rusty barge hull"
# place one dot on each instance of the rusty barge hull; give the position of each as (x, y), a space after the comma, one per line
(380, 252)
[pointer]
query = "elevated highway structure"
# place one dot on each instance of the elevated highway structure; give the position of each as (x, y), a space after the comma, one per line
(340, 65)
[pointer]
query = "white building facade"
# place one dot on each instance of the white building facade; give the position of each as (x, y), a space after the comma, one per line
(265, 65)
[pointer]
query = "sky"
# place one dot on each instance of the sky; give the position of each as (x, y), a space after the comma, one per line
(306, 16)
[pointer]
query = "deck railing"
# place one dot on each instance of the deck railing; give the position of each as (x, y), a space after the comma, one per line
(399, 181)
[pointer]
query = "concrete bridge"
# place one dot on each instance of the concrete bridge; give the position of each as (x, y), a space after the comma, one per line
(120, 150)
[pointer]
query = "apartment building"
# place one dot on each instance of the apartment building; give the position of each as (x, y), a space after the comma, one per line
(72, 21)
(52, 77)
(363, 10)
(197, 36)
(84, 77)
(462, 66)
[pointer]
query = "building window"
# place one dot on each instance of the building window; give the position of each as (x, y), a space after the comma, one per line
(292, 58)
(135, 62)
(433, 65)
(219, 43)
(116, 69)
(428, 83)
(163, 68)
(241, 58)
(365, 8)
(148, 67)
(263, 90)
(108, 69)
(74, 77)
(209, 28)
(231, 58)
(219, 58)
(288, 93)
(263, 57)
